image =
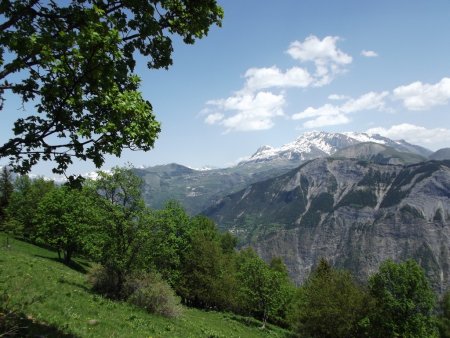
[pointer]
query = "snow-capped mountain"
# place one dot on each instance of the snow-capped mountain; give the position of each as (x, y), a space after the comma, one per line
(315, 144)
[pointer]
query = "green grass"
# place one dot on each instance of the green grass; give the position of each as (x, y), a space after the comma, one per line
(54, 300)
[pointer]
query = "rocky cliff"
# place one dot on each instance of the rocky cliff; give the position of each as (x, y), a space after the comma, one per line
(354, 213)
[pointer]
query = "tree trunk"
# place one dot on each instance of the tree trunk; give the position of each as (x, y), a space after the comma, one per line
(67, 256)
(265, 315)
(120, 281)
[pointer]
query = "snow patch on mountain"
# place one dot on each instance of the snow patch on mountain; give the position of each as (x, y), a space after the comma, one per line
(316, 144)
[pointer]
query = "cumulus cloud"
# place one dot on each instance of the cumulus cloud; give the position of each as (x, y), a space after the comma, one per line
(368, 101)
(261, 99)
(421, 96)
(273, 77)
(433, 137)
(326, 115)
(328, 59)
(329, 115)
(369, 53)
(249, 111)
(324, 54)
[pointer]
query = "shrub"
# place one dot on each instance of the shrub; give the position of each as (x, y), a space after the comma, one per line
(150, 292)
(145, 290)
(102, 281)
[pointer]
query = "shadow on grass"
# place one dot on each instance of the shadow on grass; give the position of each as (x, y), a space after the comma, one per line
(14, 324)
(77, 266)
(78, 285)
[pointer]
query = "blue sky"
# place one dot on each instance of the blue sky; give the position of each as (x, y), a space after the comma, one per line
(277, 69)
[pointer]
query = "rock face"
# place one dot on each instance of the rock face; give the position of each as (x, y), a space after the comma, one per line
(354, 213)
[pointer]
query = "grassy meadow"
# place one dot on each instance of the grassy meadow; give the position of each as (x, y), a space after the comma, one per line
(51, 299)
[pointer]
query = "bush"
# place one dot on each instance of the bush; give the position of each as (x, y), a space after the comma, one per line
(102, 281)
(145, 290)
(150, 292)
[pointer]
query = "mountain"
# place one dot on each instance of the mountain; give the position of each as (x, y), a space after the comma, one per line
(198, 189)
(441, 154)
(378, 153)
(314, 144)
(352, 212)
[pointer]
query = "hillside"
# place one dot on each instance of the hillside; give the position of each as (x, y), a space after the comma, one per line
(53, 300)
(354, 213)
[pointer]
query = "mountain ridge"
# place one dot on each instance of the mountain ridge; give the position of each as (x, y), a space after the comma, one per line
(354, 213)
(320, 144)
(196, 189)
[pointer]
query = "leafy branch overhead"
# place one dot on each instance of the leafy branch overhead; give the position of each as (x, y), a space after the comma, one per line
(73, 64)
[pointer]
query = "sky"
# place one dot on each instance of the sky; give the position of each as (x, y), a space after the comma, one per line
(277, 69)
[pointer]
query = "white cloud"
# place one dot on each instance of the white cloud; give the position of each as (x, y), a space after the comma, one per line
(323, 121)
(321, 51)
(324, 54)
(328, 59)
(249, 111)
(369, 53)
(337, 97)
(422, 96)
(256, 105)
(329, 115)
(273, 77)
(368, 101)
(434, 137)
(214, 118)
(310, 112)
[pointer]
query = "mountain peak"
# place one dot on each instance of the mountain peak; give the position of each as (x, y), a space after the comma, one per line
(314, 144)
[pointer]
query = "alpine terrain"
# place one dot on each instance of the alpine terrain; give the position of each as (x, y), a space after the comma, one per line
(353, 212)
(198, 189)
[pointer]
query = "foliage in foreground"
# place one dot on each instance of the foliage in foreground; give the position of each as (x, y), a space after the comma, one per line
(148, 256)
(330, 304)
(58, 303)
(398, 302)
(108, 222)
(74, 62)
(145, 290)
(404, 301)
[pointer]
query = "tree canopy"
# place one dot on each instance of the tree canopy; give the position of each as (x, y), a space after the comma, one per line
(330, 304)
(74, 61)
(404, 301)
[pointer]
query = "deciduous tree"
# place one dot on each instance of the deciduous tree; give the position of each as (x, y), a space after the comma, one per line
(123, 226)
(404, 301)
(74, 62)
(65, 217)
(6, 190)
(263, 291)
(330, 304)
(23, 205)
